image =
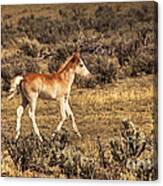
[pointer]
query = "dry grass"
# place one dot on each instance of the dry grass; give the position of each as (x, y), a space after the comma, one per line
(98, 112)
(130, 98)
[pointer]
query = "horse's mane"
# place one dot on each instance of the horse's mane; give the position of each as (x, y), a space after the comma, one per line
(64, 65)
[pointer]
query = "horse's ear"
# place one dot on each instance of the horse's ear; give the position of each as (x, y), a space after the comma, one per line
(75, 54)
(75, 50)
(73, 57)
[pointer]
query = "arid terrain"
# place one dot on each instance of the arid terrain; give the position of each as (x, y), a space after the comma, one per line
(116, 111)
(99, 113)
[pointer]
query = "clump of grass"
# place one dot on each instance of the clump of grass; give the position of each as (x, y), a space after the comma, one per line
(56, 156)
(128, 149)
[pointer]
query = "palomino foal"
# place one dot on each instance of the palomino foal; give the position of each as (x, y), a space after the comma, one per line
(48, 86)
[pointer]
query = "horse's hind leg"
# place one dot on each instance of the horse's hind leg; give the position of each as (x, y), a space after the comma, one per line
(20, 111)
(32, 110)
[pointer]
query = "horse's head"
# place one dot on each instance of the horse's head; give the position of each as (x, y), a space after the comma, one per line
(80, 67)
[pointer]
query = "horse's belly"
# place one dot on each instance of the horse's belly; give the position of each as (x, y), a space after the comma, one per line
(47, 95)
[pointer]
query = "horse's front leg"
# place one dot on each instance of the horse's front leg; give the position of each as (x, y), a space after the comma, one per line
(70, 113)
(63, 113)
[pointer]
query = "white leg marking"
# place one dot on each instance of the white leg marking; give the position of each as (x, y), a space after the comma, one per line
(63, 113)
(70, 113)
(19, 111)
(32, 116)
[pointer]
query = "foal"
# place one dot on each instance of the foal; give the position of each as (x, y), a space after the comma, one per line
(48, 86)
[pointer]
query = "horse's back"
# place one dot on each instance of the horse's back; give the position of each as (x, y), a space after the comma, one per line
(42, 84)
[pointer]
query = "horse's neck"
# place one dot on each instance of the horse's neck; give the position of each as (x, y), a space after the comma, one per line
(67, 73)
(68, 76)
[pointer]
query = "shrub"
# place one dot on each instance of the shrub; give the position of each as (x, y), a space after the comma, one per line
(98, 34)
(29, 50)
(123, 158)
(128, 150)
(31, 66)
(16, 65)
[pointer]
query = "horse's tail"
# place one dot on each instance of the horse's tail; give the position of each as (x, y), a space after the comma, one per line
(14, 84)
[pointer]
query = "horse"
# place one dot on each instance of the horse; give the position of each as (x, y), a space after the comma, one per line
(56, 85)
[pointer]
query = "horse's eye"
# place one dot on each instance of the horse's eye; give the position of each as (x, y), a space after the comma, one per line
(81, 65)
